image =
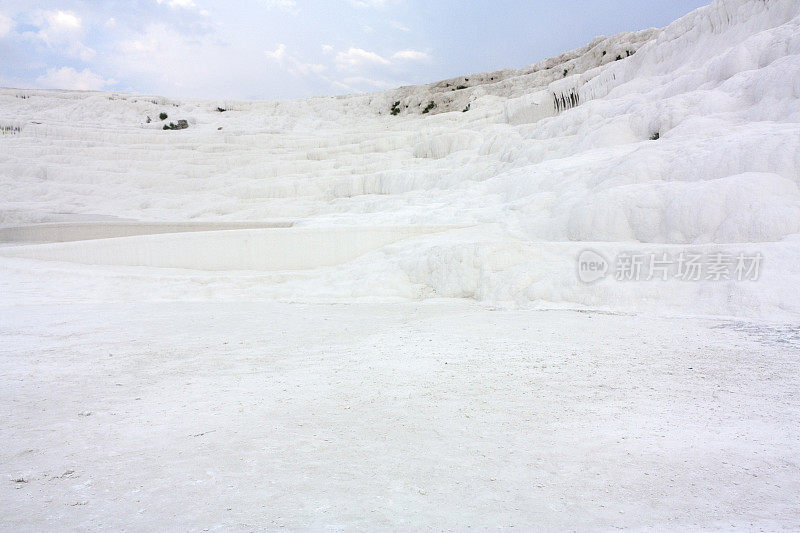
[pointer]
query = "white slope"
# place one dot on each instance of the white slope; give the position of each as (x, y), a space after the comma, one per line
(546, 162)
(256, 416)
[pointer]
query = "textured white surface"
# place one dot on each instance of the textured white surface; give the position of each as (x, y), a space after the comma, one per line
(410, 416)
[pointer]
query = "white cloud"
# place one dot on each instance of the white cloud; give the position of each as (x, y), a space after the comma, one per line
(175, 4)
(357, 57)
(59, 26)
(358, 80)
(69, 78)
(168, 47)
(63, 31)
(146, 44)
(369, 3)
(188, 5)
(298, 68)
(293, 65)
(82, 51)
(341, 86)
(285, 5)
(399, 26)
(63, 20)
(358, 84)
(411, 55)
(279, 54)
(5, 25)
(170, 60)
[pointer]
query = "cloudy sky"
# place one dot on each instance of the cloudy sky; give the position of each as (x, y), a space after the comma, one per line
(294, 48)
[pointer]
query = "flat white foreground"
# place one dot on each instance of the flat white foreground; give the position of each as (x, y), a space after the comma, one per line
(440, 415)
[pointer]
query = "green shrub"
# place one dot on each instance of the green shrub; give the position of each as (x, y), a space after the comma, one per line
(163, 116)
(395, 108)
(429, 107)
(181, 125)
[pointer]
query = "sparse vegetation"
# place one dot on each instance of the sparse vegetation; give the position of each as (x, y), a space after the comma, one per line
(429, 107)
(395, 108)
(618, 58)
(181, 125)
(461, 87)
(565, 72)
(467, 108)
(163, 116)
(566, 100)
(656, 136)
(221, 110)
